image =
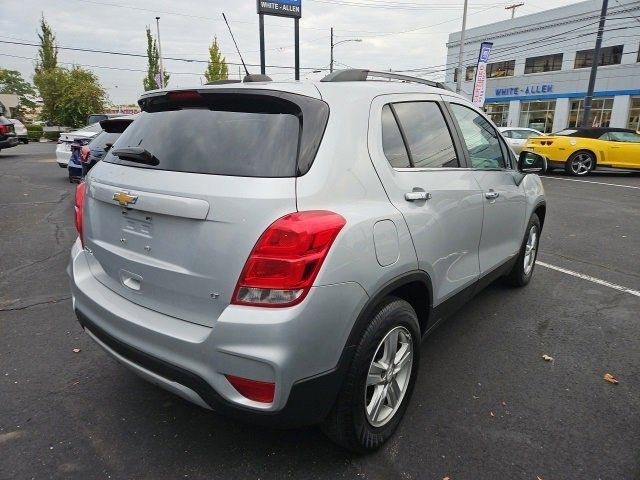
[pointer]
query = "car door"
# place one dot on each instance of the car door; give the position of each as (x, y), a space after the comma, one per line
(419, 161)
(624, 149)
(504, 200)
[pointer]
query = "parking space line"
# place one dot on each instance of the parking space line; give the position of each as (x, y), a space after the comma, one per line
(589, 278)
(589, 181)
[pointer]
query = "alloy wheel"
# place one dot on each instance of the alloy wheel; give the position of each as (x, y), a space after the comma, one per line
(581, 164)
(530, 250)
(388, 376)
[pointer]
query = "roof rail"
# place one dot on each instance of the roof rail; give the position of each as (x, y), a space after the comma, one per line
(361, 75)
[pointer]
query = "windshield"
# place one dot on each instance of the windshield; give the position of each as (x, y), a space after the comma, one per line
(523, 134)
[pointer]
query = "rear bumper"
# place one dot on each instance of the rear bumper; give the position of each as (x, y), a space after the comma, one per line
(9, 142)
(301, 349)
(62, 156)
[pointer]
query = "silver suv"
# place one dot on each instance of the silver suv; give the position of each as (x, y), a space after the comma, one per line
(277, 251)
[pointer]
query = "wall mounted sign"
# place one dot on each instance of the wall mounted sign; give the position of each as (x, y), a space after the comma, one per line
(528, 90)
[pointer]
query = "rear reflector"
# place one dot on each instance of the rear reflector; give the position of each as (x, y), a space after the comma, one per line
(78, 207)
(253, 389)
(287, 258)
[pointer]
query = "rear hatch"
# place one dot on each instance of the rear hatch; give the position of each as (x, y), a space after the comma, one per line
(171, 228)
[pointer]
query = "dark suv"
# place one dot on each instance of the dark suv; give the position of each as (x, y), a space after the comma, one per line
(8, 137)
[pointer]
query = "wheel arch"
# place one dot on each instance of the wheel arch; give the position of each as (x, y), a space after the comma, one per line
(541, 211)
(585, 150)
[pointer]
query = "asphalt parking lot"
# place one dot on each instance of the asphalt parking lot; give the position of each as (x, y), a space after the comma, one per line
(486, 405)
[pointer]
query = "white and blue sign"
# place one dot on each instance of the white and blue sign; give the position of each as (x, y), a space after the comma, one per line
(281, 8)
(480, 80)
(528, 90)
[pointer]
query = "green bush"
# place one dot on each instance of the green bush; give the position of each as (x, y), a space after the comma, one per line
(34, 132)
(53, 136)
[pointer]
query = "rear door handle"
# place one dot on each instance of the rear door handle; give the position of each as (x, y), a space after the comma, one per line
(491, 195)
(416, 196)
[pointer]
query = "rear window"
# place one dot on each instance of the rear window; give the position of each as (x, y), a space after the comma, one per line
(248, 135)
(100, 141)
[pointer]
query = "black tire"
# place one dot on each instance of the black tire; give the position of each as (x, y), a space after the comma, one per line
(347, 424)
(519, 276)
(582, 157)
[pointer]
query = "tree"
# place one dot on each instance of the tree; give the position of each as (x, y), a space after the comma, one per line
(68, 95)
(153, 64)
(48, 51)
(11, 81)
(217, 68)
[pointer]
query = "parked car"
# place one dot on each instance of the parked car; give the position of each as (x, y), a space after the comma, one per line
(581, 150)
(517, 137)
(93, 152)
(74, 167)
(282, 265)
(63, 150)
(98, 117)
(8, 137)
(21, 130)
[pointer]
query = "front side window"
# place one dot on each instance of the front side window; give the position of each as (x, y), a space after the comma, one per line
(480, 138)
(608, 56)
(629, 137)
(544, 63)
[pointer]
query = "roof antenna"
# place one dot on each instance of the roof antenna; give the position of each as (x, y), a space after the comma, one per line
(234, 42)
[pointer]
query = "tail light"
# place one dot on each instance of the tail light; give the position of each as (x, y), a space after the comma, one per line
(287, 258)
(78, 207)
(253, 389)
(4, 129)
(84, 153)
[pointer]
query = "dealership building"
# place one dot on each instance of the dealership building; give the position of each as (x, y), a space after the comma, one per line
(538, 71)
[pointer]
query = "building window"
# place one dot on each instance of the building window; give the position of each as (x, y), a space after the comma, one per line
(538, 115)
(600, 115)
(501, 69)
(470, 72)
(634, 114)
(545, 63)
(498, 113)
(608, 56)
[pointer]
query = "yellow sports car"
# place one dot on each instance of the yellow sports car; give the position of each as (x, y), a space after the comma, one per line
(581, 150)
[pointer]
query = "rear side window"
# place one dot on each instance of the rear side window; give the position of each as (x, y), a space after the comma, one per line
(428, 137)
(227, 134)
(428, 141)
(392, 142)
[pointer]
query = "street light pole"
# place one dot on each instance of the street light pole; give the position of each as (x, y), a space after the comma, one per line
(160, 53)
(461, 52)
(594, 65)
(338, 43)
(331, 61)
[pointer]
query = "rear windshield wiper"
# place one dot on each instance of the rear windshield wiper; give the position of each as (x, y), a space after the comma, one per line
(136, 154)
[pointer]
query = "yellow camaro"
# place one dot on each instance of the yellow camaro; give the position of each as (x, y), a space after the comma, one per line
(581, 150)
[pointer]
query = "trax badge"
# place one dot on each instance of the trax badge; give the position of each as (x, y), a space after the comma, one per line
(124, 199)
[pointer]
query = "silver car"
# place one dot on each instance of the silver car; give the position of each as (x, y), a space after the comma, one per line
(517, 137)
(277, 251)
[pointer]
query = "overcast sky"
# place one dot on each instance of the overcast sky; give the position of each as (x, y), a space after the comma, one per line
(188, 26)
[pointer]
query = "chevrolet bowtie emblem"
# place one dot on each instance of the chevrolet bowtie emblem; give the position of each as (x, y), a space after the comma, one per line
(124, 199)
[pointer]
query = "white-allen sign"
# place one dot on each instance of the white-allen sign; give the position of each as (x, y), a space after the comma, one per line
(480, 82)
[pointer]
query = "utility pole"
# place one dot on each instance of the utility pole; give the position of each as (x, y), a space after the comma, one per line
(160, 53)
(331, 61)
(594, 65)
(513, 8)
(461, 52)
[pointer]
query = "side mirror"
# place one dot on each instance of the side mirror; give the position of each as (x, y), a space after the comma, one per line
(530, 162)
